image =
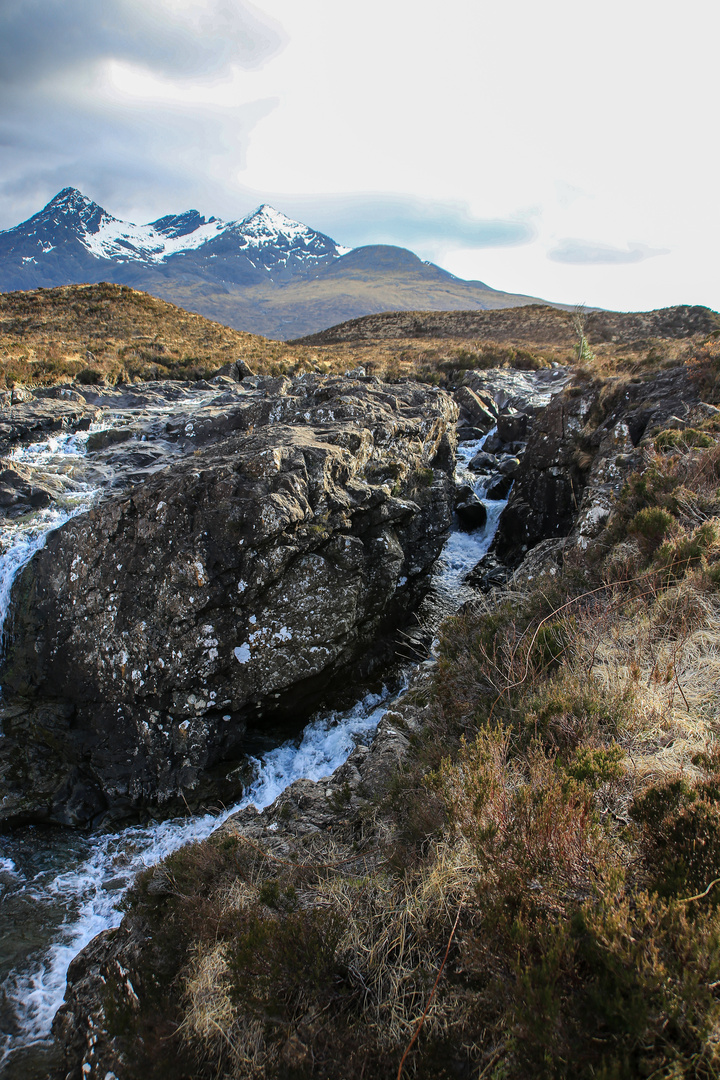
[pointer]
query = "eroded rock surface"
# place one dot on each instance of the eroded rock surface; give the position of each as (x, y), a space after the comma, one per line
(237, 586)
(580, 451)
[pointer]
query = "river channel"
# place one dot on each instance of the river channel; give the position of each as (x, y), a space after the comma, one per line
(59, 888)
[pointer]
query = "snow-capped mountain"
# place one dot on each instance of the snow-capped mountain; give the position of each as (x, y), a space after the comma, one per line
(264, 273)
(73, 234)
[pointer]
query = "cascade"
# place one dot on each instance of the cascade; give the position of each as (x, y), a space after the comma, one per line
(59, 890)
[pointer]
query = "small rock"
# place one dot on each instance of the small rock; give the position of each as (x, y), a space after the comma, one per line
(512, 426)
(493, 444)
(476, 411)
(499, 487)
(482, 462)
(472, 514)
(509, 466)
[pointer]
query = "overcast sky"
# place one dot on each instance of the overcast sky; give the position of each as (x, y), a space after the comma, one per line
(560, 149)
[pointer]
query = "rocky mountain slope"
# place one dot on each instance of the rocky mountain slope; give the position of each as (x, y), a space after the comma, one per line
(75, 239)
(266, 274)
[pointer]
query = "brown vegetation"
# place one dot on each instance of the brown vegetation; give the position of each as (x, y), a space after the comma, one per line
(105, 332)
(550, 849)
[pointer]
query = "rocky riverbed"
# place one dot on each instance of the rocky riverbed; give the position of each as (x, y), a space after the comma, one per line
(299, 515)
(272, 559)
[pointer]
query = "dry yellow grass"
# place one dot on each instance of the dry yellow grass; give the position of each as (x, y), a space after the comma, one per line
(116, 333)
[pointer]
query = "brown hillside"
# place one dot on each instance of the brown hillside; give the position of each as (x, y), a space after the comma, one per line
(537, 324)
(114, 333)
(110, 332)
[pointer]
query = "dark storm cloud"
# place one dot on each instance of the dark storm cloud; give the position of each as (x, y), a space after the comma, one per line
(586, 253)
(375, 219)
(56, 131)
(42, 39)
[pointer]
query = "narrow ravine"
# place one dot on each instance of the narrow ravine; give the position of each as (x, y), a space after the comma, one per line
(60, 888)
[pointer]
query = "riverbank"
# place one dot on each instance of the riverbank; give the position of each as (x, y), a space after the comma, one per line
(531, 889)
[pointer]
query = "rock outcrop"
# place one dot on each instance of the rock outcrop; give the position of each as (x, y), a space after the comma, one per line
(580, 451)
(238, 587)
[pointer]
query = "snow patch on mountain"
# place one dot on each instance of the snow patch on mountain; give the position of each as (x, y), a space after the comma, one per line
(106, 237)
(115, 239)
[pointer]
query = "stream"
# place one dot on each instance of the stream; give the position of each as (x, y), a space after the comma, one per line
(59, 888)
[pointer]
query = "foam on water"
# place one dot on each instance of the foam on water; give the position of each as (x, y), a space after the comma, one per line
(91, 889)
(463, 550)
(100, 867)
(56, 446)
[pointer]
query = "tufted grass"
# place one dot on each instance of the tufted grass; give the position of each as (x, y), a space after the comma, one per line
(543, 896)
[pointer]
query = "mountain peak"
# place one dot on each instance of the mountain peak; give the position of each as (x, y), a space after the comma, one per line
(267, 217)
(70, 199)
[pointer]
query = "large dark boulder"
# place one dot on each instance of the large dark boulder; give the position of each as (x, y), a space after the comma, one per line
(240, 587)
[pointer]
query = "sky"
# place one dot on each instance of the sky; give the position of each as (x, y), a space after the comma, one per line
(562, 150)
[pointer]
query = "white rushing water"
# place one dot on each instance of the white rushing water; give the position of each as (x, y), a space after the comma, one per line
(80, 887)
(91, 888)
(20, 539)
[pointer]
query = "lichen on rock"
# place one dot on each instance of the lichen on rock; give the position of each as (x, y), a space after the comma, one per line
(240, 585)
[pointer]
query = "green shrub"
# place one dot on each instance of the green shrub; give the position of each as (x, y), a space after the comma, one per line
(623, 989)
(688, 551)
(650, 526)
(552, 641)
(687, 437)
(680, 823)
(276, 964)
(596, 766)
(90, 377)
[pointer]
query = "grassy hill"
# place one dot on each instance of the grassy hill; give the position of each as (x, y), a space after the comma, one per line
(111, 332)
(536, 324)
(114, 333)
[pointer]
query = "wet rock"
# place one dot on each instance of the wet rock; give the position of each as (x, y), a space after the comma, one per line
(488, 574)
(482, 461)
(19, 494)
(474, 410)
(494, 445)
(512, 426)
(471, 513)
(545, 498)
(467, 433)
(30, 417)
(239, 586)
(98, 440)
(463, 493)
(509, 466)
(526, 391)
(499, 487)
(579, 453)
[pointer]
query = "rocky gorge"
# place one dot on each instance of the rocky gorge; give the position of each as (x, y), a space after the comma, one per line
(227, 520)
(227, 555)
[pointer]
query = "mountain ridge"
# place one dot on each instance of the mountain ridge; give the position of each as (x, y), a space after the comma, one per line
(265, 273)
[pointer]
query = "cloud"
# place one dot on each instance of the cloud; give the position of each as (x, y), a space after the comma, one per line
(136, 165)
(404, 219)
(40, 40)
(63, 122)
(587, 253)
